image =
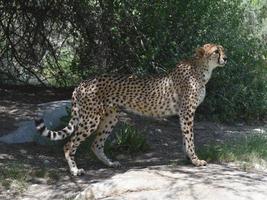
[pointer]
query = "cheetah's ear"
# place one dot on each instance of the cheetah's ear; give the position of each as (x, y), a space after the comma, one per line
(200, 52)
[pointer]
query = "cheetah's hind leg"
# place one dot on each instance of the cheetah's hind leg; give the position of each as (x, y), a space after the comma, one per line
(70, 148)
(104, 129)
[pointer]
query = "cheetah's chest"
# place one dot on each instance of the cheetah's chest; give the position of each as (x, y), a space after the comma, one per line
(201, 95)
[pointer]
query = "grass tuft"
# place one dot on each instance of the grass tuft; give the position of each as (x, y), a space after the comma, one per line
(249, 150)
(16, 177)
(127, 140)
(13, 174)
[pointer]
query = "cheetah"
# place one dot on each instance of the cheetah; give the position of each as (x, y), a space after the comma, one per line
(96, 104)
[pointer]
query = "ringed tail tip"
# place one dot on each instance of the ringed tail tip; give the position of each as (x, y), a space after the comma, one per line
(39, 124)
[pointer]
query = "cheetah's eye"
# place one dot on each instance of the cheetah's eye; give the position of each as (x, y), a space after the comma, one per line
(216, 51)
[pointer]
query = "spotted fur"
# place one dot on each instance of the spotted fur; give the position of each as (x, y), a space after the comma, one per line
(97, 102)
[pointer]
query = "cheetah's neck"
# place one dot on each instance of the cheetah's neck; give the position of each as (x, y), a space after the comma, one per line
(207, 73)
(203, 70)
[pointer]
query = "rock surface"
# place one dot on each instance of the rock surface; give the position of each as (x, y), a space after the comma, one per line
(164, 182)
(51, 113)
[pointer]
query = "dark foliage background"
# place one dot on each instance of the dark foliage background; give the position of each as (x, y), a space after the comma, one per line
(59, 43)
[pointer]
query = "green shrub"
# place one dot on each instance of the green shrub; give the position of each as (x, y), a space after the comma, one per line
(150, 37)
(142, 37)
(170, 30)
(127, 140)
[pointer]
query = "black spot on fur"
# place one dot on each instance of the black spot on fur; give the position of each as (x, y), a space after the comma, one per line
(49, 134)
(41, 130)
(38, 122)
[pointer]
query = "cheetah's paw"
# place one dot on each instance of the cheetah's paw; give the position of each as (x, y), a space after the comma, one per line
(115, 164)
(199, 163)
(77, 172)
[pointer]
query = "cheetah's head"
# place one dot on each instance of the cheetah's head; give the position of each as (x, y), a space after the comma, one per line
(212, 54)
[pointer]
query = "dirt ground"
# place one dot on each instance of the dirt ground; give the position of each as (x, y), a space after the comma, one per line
(45, 166)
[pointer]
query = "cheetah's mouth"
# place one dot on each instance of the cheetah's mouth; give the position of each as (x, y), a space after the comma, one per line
(222, 62)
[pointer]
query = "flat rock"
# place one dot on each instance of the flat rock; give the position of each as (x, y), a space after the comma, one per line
(212, 182)
(51, 113)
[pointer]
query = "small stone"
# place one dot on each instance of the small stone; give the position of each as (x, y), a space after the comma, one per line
(46, 162)
(165, 144)
(86, 195)
(259, 130)
(240, 124)
(22, 151)
(120, 157)
(158, 130)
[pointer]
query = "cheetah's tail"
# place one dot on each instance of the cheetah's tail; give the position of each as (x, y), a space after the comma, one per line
(55, 135)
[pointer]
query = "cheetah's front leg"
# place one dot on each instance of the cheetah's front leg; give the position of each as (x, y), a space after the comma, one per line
(186, 121)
